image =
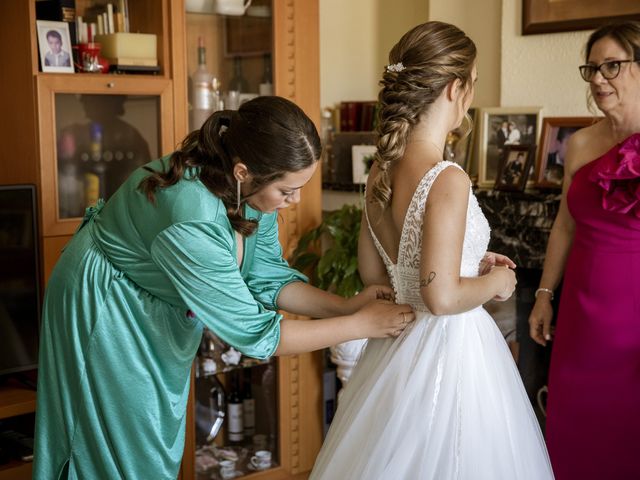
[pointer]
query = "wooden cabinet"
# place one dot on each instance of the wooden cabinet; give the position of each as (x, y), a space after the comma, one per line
(38, 109)
(295, 55)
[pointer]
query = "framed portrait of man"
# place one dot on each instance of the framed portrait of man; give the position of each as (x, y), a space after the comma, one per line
(54, 44)
(514, 168)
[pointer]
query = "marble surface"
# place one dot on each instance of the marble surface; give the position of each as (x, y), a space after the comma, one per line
(520, 223)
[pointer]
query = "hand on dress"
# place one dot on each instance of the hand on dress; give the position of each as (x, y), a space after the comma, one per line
(382, 318)
(540, 321)
(370, 293)
(491, 259)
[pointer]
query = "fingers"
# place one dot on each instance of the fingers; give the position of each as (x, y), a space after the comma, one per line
(536, 331)
(402, 320)
(504, 260)
(499, 259)
(384, 293)
(546, 330)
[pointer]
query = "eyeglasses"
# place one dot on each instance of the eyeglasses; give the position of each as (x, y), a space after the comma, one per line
(608, 70)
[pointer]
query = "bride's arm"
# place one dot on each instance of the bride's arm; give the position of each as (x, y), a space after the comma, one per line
(443, 290)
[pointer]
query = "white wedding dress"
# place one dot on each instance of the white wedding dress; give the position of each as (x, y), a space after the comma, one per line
(442, 401)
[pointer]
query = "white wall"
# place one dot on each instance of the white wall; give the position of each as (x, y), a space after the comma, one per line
(541, 70)
(481, 21)
(355, 39)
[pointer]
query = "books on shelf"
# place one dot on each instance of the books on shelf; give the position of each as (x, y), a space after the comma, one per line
(357, 116)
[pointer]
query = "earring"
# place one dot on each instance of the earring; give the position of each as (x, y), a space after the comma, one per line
(237, 195)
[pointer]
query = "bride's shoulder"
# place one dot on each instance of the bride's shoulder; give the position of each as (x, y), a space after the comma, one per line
(450, 184)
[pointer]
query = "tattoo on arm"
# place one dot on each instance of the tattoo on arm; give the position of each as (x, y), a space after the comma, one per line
(426, 281)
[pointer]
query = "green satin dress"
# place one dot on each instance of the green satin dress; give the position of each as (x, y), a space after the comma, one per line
(116, 341)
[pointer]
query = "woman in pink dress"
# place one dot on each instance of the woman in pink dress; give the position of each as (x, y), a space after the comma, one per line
(593, 423)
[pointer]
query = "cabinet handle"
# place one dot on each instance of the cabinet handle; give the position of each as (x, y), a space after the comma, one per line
(111, 85)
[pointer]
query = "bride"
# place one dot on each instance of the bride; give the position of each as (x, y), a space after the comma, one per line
(444, 399)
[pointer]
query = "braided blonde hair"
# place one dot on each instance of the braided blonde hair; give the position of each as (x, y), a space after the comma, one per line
(431, 56)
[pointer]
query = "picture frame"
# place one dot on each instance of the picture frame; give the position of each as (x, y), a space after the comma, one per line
(554, 136)
(547, 16)
(514, 168)
(459, 146)
(54, 44)
(362, 157)
(494, 135)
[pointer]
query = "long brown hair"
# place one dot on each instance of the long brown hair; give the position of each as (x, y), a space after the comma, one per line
(431, 56)
(270, 135)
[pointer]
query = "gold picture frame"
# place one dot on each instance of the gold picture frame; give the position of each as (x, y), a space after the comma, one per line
(528, 120)
(547, 16)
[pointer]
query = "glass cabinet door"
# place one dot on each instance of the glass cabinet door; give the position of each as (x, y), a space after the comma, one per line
(229, 55)
(236, 412)
(100, 140)
(95, 130)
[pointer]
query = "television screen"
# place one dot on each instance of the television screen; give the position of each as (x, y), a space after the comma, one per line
(19, 279)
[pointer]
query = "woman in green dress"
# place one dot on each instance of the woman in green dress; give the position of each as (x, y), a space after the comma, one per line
(188, 241)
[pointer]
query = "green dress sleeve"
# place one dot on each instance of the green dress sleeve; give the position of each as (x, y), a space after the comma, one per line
(268, 271)
(198, 258)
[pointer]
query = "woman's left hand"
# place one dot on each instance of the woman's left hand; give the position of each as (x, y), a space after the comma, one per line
(369, 294)
(492, 259)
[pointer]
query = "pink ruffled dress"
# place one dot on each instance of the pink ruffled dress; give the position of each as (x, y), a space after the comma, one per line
(593, 424)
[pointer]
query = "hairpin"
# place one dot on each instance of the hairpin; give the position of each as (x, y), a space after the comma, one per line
(395, 67)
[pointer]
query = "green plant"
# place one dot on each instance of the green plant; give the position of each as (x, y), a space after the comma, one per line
(336, 268)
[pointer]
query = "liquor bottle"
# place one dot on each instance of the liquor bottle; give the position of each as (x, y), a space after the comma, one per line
(201, 90)
(248, 406)
(238, 83)
(70, 194)
(266, 84)
(235, 428)
(94, 178)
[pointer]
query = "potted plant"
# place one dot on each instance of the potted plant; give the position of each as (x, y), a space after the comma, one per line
(336, 268)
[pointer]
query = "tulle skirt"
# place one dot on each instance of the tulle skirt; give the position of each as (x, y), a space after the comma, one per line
(442, 401)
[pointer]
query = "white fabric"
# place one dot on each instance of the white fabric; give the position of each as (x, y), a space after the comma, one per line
(442, 401)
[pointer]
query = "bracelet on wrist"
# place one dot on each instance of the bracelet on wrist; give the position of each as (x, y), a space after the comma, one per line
(545, 290)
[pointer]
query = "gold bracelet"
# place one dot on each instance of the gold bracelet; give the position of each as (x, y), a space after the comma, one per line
(545, 290)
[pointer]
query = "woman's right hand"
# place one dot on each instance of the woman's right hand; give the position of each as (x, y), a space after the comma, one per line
(506, 279)
(540, 321)
(381, 318)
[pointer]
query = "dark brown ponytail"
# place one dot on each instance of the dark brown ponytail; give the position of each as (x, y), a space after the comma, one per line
(270, 135)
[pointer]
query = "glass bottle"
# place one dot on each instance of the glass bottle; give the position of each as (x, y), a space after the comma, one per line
(266, 84)
(238, 83)
(95, 175)
(248, 406)
(235, 427)
(201, 90)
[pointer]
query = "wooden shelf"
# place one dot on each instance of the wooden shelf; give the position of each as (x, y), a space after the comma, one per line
(16, 400)
(16, 470)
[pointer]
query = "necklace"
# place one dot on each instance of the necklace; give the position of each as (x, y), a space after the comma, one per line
(440, 150)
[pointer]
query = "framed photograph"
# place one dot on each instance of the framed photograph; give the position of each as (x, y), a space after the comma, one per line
(54, 43)
(514, 168)
(500, 127)
(361, 160)
(459, 146)
(553, 146)
(545, 16)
